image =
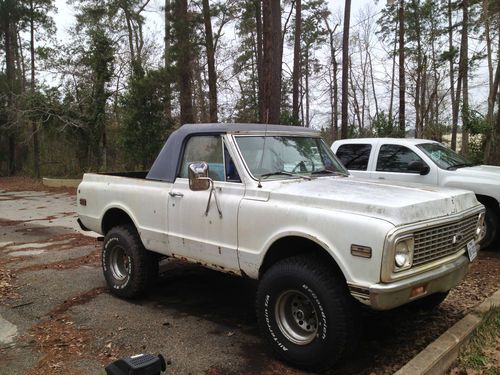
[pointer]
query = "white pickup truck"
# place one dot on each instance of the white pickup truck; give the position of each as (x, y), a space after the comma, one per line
(427, 162)
(273, 203)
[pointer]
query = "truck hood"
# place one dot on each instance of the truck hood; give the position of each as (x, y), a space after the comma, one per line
(490, 172)
(395, 202)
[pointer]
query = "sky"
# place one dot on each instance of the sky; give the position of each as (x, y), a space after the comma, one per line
(154, 29)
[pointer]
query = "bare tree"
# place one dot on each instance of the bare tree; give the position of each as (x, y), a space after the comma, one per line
(271, 63)
(212, 76)
(345, 70)
(184, 62)
(296, 62)
(402, 86)
(333, 83)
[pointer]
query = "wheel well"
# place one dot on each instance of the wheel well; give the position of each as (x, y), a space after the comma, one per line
(294, 245)
(488, 202)
(114, 217)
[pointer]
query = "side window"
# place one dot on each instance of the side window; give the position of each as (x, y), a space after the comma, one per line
(395, 158)
(208, 149)
(231, 172)
(355, 156)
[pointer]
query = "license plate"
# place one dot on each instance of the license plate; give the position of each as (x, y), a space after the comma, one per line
(472, 250)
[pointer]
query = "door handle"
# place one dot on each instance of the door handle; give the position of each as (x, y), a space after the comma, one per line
(175, 194)
(381, 178)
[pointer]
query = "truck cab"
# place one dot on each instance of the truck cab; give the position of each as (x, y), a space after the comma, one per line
(425, 162)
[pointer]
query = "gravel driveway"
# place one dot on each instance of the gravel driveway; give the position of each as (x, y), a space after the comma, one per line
(56, 316)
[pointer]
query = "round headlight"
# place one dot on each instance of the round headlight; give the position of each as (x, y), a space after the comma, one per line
(402, 255)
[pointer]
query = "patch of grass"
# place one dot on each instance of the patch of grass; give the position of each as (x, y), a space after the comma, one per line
(479, 353)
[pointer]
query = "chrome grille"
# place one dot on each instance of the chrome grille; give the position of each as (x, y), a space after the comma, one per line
(438, 242)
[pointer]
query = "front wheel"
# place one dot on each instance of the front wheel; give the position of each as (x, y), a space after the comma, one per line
(129, 269)
(306, 313)
(489, 230)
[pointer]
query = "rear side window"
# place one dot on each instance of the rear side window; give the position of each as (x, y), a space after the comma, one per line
(208, 149)
(355, 156)
(395, 158)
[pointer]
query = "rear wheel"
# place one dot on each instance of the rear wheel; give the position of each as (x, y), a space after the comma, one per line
(306, 314)
(129, 269)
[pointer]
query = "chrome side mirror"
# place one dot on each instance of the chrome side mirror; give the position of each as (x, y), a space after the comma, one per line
(198, 176)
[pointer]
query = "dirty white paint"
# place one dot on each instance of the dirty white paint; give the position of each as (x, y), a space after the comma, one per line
(8, 331)
(26, 253)
(4, 244)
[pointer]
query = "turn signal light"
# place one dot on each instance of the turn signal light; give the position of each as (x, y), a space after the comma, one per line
(418, 290)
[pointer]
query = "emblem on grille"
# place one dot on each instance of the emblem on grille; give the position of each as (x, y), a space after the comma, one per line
(457, 238)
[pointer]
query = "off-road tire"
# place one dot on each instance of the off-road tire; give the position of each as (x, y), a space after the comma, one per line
(337, 315)
(491, 221)
(429, 303)
(139, 268)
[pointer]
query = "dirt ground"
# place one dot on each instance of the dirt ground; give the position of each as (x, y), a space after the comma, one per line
(57, 317)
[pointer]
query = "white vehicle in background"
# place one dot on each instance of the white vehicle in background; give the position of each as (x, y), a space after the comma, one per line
(427, 162)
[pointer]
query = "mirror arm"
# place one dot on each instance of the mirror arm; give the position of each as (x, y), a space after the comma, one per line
(212, 191)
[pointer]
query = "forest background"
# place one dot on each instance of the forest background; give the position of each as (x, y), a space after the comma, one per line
(107, 95)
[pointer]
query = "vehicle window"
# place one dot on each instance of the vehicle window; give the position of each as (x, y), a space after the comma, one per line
(355, 156)
(395, 158)
(444, 157)
(207, 149)
(231, 171)
(288, 156)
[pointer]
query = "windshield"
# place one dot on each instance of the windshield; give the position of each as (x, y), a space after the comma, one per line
(444, 157)
(288, 156)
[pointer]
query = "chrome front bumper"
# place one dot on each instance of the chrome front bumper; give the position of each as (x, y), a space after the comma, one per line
(388, 296)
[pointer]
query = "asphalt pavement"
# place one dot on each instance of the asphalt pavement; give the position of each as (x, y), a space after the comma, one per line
(57, 317)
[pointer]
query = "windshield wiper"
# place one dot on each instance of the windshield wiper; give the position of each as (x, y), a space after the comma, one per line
(284, 173)
(462, 165)
(326, 171)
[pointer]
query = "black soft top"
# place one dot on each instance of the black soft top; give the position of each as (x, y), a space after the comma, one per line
(167, 162)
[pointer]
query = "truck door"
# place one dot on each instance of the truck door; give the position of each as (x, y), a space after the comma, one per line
(206, 237)
(399, 163)
(355, 157)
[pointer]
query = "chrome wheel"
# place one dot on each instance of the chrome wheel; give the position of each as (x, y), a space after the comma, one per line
(296, 317)
(119, 263)
(483, 229)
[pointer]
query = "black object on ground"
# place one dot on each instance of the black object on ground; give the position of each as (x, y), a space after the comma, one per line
(140, 364)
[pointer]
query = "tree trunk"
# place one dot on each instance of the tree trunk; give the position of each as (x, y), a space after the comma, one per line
(11, 82)
(184, 63)
(454, 114)
(491, 79)
(260, 72)
(34, 124)
(333, 82)
(393, 76)
(497, 135)
(465, 66)
(372, 78)
(296, 63)
(357, 110)
(402, 88)
(21, 64)
(212, 76)
(418, 80)
(345, 71)
(307, 123)
(168, 91)
(271, 68)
